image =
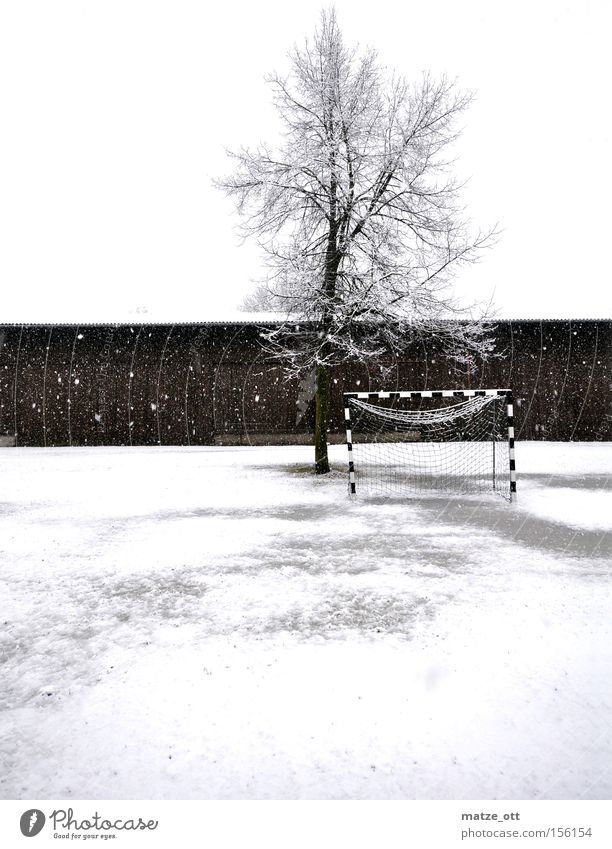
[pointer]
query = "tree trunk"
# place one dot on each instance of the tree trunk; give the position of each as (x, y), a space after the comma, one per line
(322, 392)
(332, 263)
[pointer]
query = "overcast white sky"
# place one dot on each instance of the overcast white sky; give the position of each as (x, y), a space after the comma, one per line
(115, 116)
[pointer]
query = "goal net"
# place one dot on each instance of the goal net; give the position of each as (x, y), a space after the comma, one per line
(448, 441)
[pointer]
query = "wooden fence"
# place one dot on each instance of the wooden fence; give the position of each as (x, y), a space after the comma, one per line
(202, 384)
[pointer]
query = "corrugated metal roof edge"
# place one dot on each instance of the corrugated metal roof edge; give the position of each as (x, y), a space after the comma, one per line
(132, 323)
(268, 322)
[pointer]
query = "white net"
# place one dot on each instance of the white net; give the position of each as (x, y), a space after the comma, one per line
(438, 444)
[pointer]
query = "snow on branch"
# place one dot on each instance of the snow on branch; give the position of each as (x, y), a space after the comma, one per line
(356, 210)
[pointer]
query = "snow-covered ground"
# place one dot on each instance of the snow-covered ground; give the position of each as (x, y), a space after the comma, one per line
(218, 623)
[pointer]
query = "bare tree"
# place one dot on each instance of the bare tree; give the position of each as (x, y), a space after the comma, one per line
(357, 214)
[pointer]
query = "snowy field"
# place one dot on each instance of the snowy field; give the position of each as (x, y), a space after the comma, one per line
(217, 623)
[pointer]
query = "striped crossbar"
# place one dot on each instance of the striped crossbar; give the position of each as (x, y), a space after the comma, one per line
(428, 393)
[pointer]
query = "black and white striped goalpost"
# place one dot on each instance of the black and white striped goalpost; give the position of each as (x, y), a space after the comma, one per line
(459, 394)
(510, 405)
(349, 439)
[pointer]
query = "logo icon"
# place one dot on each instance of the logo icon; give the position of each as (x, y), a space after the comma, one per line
(32, 822)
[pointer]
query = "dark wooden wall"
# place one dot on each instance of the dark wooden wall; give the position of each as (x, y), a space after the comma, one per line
(195, 384)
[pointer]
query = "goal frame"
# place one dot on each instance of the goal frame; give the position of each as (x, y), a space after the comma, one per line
(431, 393)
